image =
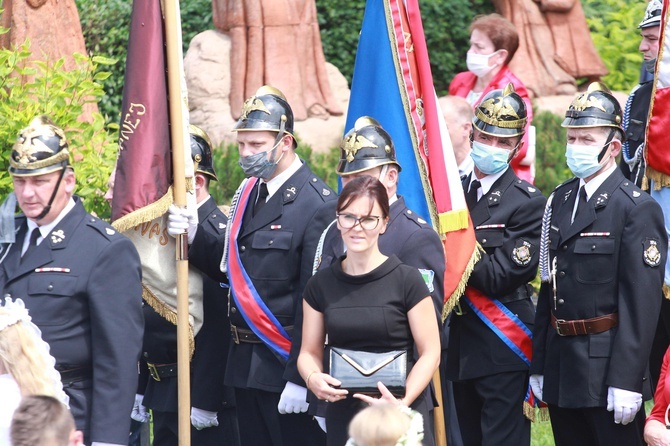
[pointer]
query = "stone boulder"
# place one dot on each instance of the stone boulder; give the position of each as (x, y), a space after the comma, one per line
(207, 67)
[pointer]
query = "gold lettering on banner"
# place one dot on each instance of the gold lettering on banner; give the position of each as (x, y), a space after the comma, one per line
(131, 122)
(150, 229)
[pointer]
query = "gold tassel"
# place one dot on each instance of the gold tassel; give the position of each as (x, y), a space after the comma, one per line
(666, 291)
(167, 313)
(535, 414)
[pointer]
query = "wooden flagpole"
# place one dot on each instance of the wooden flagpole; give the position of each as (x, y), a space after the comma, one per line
(172, 33)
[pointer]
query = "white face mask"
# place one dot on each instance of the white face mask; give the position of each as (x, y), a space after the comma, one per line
(479, 63)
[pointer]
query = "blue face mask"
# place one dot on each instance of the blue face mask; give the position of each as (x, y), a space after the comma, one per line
(488, 159)
(583, 160)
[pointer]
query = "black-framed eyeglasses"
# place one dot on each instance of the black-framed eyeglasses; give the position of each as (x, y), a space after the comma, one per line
(348, 221)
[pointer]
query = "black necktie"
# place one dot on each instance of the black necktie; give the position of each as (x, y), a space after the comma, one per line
(471, 196)
(262, 197)
(582, 202)
(32, 244)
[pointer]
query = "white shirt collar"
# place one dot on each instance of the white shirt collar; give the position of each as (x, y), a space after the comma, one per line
(592, 186)
(277, 182)
(45, 230)
(486, 182)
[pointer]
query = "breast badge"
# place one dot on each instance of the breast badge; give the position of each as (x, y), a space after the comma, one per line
(521, 254)
(652, 255)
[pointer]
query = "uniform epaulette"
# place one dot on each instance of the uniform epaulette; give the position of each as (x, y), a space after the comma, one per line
(100, 226)
(565, 183)
(416, 218)
(527, 188)
(633, 192)
(320, 187)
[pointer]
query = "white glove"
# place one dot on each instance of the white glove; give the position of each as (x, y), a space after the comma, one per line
(537, 384)
(322, 423)
(624, 403)
(182, 219)
(139, 412)
(293, 399)
(200, 418)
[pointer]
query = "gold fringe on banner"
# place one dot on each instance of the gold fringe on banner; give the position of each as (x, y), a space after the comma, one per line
(145, 214)
(666, 291)
(453, 221)
(660, 179)
(451, 302)
(169, 314)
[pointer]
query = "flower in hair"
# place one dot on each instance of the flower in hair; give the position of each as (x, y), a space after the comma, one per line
(17, 312)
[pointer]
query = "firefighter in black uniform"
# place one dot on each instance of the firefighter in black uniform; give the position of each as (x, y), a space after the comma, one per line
(81, 281)
(273, 213)
(490, 376)
(603, 252)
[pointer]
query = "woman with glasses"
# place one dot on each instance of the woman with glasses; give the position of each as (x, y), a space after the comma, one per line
(367, 302)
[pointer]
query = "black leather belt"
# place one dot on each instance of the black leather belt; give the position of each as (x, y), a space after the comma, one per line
(158, 371)
(520, 293)
(242, 335)
(69, 375)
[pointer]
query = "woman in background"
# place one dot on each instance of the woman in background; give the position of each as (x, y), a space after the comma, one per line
(493, 42)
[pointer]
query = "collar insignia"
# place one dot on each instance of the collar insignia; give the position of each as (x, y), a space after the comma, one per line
(57, 236)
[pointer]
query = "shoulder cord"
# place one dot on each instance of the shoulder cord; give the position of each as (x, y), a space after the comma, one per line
(544, 241)
(233, 210)
(319, 248)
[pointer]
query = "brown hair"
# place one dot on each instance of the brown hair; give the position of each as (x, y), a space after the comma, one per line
(41, 420)
(501, 31)
(364, 186)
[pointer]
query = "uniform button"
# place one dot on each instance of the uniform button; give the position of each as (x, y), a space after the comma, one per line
(271, 242)
(233, 309)
(561, 274)
(242, 248)
(483, 240)
(561, 301)
(593, 247)
(146, 355)
(50, 287)
(564, 247)
(213, 215)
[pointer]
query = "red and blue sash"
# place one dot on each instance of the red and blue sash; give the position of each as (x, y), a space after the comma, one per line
(254, 311)
(509, 328)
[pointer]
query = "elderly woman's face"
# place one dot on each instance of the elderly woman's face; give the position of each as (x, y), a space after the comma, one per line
(480, 43)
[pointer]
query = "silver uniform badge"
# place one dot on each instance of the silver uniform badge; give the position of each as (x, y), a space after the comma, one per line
(57, 236)
(521, 254)
(652, 255)
(110, 231)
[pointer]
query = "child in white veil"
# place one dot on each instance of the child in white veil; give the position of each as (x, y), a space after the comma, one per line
(26, 367)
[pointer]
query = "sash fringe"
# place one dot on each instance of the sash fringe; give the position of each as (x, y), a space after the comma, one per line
(535, 414)
(451, 302)
(666, 291)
